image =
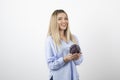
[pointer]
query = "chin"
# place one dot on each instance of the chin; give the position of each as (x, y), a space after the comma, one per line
(64, 28)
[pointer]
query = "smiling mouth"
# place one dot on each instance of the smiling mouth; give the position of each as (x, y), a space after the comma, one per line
(64, 25)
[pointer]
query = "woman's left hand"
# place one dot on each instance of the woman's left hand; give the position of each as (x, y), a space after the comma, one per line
(76, 56)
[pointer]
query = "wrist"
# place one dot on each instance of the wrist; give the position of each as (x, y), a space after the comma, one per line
(65, 59)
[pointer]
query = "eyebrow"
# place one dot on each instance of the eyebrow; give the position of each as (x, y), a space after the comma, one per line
(63, 17)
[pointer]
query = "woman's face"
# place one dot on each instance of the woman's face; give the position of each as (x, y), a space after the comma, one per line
(62, 21)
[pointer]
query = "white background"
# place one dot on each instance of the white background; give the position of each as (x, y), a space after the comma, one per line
(24, 26)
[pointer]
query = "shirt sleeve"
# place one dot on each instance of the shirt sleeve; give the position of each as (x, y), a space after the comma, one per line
(54, 62)
(80, 60)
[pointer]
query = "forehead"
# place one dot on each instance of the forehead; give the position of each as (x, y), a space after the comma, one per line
(61, 15)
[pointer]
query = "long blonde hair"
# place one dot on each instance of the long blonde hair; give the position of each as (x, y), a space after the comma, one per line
(54, 29)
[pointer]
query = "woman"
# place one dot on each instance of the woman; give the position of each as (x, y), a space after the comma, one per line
(61, 63)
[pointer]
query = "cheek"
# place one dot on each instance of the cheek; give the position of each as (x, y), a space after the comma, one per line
(67, 22)
(58, 22)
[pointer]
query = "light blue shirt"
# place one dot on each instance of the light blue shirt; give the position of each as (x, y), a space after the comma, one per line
(57, 67)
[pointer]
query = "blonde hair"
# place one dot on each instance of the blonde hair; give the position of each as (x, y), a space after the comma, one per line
(54, 29)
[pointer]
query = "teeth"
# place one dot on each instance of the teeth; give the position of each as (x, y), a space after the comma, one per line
(63, 24)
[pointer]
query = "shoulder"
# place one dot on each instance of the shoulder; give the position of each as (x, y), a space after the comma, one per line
(75, 37)
(49, 39)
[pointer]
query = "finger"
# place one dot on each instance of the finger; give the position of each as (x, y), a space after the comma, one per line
(74, 54)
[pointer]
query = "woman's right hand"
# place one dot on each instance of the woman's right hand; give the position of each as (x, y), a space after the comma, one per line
(68, 58)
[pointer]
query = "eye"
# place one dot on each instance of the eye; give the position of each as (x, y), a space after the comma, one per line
(66, 18)
(59, 18)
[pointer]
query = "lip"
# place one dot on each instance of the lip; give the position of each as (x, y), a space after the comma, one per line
(63, 24)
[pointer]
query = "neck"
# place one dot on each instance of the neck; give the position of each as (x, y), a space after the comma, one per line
(62, 35)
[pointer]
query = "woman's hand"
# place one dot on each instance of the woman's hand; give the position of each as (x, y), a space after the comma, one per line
(68, 58)
(76, 56)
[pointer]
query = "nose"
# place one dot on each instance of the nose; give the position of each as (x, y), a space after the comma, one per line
(63, 20)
